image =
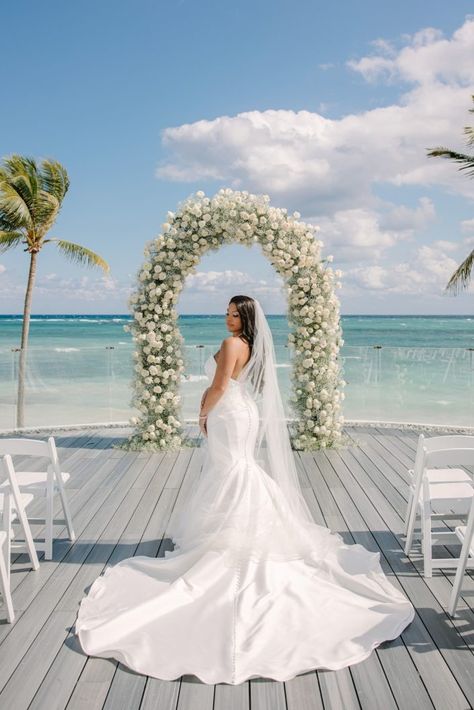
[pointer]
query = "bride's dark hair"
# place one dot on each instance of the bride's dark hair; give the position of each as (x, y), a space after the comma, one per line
(246, 308)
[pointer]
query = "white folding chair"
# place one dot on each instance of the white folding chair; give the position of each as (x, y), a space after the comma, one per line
(5, 578)
(436, 443)
(439, 493)
(465, 535)
(13, 505)
(44, 484)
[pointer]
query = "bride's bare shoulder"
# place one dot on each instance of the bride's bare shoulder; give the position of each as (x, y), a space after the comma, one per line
(234, 345)
(234, 342)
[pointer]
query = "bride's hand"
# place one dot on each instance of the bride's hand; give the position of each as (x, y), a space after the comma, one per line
(204, 396)
(203, 426)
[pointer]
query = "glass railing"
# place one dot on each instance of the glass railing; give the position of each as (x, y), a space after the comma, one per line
(88, 385)
(412, 385)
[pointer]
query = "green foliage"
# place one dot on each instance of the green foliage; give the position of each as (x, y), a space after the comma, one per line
(460, 279)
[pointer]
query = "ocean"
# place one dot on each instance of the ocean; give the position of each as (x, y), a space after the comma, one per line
(416, 369)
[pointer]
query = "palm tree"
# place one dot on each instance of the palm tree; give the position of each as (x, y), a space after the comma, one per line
(30, 199)
(460, 278)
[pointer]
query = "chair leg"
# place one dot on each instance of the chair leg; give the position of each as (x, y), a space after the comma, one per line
(48, 530)
(456, 590)
(67, 514)
(410, 527)
(5, 586)
(7, 525)
(426, 542)
(409, 507)
(29, 542)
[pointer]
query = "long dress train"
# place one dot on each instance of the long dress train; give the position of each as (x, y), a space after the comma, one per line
(248, 591)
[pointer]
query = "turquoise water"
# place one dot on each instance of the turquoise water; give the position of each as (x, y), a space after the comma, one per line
(80, 367)
(92, 330)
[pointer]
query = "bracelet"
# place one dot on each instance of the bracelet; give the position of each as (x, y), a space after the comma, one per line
(203, 416)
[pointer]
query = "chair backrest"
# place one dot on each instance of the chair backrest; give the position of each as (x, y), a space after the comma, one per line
(456, 441)
(35, 447)
(24, 447)
(449, 457)
(441, 451)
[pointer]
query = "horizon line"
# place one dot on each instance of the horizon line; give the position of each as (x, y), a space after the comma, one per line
(367, 315)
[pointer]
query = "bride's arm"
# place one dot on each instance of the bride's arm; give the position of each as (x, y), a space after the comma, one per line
(228, 355)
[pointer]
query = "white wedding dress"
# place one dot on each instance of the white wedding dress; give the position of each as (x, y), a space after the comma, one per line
(249, 591)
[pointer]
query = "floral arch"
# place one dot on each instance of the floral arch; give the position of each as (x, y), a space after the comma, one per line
(200, 224)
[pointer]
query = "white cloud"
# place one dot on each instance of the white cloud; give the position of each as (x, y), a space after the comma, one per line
(354, 235)
(212, 282)
(445, 246)
(407, 220)
(314, 163)
(2, 268)
(467, 225)
(365, 234)
(427, 272)
(428, 58)
(80, 289)
(332, 170)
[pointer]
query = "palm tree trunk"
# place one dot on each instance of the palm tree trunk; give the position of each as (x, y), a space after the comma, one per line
(20, 411)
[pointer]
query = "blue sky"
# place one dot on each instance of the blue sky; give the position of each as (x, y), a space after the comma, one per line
(328, 108)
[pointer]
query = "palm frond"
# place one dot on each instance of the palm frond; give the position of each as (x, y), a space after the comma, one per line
(14, 211)
(39, 192)
(8, 240)
(469, 131)
(79, 254)
(54, 179)
(467, 161)
(461, 277)
(20, 165)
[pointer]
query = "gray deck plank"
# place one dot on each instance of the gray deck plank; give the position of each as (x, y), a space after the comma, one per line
(93, 685)
(231, 697)
(194, 695)
(84, 503)
(386, 460)
(136, 508)
(123, 503)
(267, 695)
(373, 511)
(337, 690)
(330, 517)
(29, 624)
(141, 536)
(160, 694)
(304, 693)
(329, 493)
(151, 543)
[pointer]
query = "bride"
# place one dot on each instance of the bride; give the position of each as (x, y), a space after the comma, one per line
(254, 587)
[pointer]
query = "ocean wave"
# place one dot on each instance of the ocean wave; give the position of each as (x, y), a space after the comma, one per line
(66, 350)
(44, 320)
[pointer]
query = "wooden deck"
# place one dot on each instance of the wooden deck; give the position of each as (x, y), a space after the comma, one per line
(122, 503)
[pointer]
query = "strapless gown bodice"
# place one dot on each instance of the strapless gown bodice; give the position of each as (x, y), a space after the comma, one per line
(210, 367)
